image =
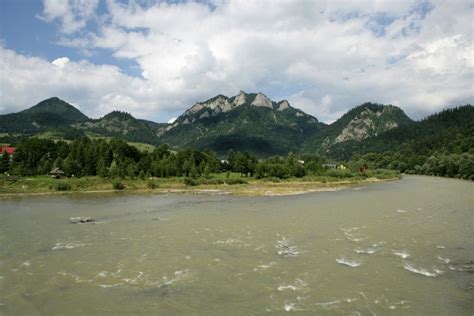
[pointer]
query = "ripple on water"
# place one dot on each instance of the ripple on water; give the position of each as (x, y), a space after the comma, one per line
(68, 245)
(368, 251)
(264, 266)
(349, 263)
(284, 248)
(353, 233)
(298, 285)
(422, 271)
(401, 253)
(445, 260)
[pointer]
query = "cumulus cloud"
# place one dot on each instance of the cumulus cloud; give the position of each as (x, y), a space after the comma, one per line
(71, 14)
(94, 88)
(325, 57)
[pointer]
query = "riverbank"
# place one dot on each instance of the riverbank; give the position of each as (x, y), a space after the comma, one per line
(219, 184)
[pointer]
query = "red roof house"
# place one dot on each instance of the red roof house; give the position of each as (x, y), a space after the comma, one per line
(9, 150)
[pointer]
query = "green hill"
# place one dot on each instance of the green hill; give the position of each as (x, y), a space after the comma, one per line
(121, 125)
(50, 114)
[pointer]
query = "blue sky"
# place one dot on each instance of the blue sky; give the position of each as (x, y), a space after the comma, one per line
(155, 59)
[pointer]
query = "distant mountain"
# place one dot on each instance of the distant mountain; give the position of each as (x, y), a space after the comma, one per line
(50, 114)
(365, 121)
(447, 132)
(252, 122)
(122, 125)
(246, 122)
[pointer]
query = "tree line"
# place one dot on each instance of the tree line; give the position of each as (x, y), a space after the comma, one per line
(115, 158)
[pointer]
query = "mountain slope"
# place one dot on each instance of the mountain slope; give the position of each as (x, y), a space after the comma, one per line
(246, 122)
(121, 125)
(47, 115)
(449, 131)
(365, 121)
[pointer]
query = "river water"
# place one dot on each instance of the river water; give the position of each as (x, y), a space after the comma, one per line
(391, 248)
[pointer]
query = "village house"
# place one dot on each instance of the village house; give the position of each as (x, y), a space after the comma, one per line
(57, 173)
(9, 150)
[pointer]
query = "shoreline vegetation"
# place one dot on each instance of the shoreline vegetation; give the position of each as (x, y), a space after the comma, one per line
(40, 166)
(220, 184)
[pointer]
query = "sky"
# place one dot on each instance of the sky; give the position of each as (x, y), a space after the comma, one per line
(155, 59)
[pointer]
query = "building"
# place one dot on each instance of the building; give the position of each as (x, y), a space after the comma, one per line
(57, 173)
(9, 150)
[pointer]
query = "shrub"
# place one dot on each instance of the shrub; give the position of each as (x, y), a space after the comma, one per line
(117, 185)
(338, 173)
(62, 186)
(235, 181)
(273, 179)
(211, 181)
(152, 184)
(190, 181)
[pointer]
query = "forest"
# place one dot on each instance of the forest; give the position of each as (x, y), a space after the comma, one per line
(115, 158)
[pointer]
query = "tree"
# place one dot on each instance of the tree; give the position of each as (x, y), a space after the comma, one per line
(4, 162)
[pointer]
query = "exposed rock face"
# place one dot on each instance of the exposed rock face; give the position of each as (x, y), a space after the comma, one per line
(240, 99)
(365, 124)
(262, 100)
(223, 104)
(283, 105)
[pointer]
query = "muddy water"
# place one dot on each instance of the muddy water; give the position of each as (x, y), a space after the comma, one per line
(394, 248)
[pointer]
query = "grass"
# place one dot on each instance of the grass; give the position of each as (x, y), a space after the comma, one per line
(52, 136)
(139, 146)
(57, 137)
(233, 184)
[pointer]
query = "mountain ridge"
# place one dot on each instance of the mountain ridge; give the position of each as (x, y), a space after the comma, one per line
(246, 122)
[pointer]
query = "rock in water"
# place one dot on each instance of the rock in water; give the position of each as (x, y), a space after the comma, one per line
(81, 220)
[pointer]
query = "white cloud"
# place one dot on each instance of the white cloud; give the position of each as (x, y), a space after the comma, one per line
(325, 57)
(96, 89)
(61, 62)
(72, 14)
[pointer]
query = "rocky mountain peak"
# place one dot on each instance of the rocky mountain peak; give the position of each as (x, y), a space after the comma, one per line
(283, 105)
(240, 99)
(370, 120)
(262, 100)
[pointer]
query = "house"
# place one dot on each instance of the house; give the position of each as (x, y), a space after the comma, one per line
(9, 150)
(57, 173)
(329, 165)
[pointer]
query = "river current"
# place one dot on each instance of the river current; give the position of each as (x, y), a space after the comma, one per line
(398, 248)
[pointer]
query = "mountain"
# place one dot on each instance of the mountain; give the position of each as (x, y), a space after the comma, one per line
(246, 122)
(121, 125)
(252, 122)
(362, 122)
(447, 132)
(50, 114)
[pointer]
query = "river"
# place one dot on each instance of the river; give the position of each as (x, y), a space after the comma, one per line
(388, 248)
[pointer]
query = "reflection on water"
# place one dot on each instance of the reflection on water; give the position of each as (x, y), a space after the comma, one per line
(401, 247)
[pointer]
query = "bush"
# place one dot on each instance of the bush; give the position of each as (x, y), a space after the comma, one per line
(235, 181)
(152, 184)
(211, 181)
(190, 181)
(117, 185)
(62, 186)
(338, 173)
